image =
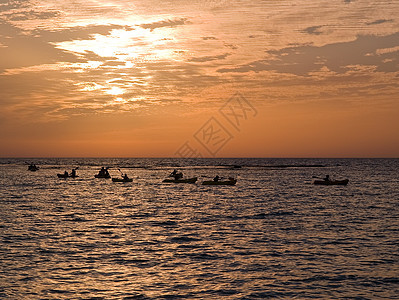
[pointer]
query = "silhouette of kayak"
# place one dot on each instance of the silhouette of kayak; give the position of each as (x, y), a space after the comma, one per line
(221, 182)
(33, 168)
(188, 180)
(122, 180)
(66, 176)
(331, 182)
(103, 176)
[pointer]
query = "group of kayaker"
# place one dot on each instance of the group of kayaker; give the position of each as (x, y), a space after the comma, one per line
(103, 172)
(73, 173)
(175, 174)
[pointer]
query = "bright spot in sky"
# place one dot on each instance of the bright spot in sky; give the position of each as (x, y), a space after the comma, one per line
(115, 91)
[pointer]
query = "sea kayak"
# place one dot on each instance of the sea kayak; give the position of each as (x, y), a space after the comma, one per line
(122, 180)
(66, 176)
(221, 182)
(103, 176)
(331, 182)
(188, 180)
(33, 168)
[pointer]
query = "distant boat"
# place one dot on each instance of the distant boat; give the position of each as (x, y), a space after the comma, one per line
(33, 168)
(220, 182)
(331, 182)
(188, 180)
(66, 176)
(122, 179)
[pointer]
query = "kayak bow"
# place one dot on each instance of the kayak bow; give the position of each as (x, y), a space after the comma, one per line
(226, 182)
(188, 180)
(122, 180)
(331, 182)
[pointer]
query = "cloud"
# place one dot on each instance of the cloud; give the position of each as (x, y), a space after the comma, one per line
(23, 50)
(205, 38)
(31, 15)
(38, 47)
(313, 30)
(336, 57)
(380, 21)
(165, 23)
(9, 5)
(76, 32)
(209, 58)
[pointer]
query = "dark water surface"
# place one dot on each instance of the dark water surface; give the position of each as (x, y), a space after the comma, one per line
(273, 235)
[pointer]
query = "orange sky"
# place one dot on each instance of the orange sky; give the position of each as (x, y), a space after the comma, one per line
(147, 78)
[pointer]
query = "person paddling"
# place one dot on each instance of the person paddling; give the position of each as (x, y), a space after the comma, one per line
(73, 173)
(216, 178)
(101, 172)
(327, 178)
(177, 175)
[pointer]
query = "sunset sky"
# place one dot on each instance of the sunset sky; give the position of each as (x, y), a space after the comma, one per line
(138, 78)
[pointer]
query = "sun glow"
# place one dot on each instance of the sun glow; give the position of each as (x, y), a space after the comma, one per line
(115, 91)
(126, 45)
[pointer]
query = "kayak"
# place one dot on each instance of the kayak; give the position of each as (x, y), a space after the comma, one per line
(188, 180)
(225, 182)
(33, 168)
(103, 176)
(66, 176)
(331, 182)
(122, 180)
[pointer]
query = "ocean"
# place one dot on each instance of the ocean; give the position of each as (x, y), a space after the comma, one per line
(272, 235)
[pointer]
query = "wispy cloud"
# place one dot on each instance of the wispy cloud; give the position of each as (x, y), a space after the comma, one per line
(313, 30)
(165, 23)
(380, 21)
(209, 58)
(302, 60)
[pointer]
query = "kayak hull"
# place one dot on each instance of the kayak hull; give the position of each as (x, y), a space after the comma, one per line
(102, 176)
(227, 182)
(66, 176)
(122, 180)
(332, 182)
(188, 180)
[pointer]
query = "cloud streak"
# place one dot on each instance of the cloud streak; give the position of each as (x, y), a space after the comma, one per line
(165, 23)
(337, 57)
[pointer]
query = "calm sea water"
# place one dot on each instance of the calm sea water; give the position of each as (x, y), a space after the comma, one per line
(273, 235)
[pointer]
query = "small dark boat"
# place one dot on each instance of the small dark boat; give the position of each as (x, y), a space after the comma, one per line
(220, 182)
(103, 176)
(33, 168)
(66, 176)
(188, 180)
(122, 179)
(331, 182)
